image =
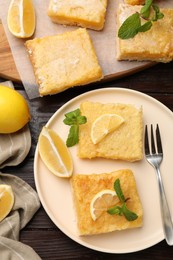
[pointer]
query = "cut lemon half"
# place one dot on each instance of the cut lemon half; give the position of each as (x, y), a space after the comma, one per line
(21, 18)
(54, 153)
(104, 125)
(101, 202)
(6, 200)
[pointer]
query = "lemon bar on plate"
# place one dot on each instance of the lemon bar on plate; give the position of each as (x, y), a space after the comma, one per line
(153, 45)
(63, 61)
(86, 187)
(85, 13)
(125, 143)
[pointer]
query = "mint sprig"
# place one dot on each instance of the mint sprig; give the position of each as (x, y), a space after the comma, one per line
(74, 119)
(122, 210)
(133, 25)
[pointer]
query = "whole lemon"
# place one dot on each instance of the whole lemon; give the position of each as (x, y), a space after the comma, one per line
(14, 110)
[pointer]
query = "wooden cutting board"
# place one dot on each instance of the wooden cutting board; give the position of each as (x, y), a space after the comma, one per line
(7, 66)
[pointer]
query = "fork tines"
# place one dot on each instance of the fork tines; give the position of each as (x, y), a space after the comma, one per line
(157, 138)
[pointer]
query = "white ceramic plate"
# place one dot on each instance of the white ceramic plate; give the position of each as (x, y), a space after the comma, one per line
(56, 196)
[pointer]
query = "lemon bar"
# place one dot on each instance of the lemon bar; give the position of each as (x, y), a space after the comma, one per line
(125, 143)
(63, 61)
(85, 187)
(153, 45)
(85, 13)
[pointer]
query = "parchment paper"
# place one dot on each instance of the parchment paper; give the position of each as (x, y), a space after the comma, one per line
(104, 42)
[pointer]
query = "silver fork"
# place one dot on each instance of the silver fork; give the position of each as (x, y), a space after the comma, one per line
(154, 156)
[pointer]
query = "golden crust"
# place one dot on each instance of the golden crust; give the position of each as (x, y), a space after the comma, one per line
(88, 14)
(124, 144)
(154, 45)
(62, 61)
(134, 2)
(85, 187)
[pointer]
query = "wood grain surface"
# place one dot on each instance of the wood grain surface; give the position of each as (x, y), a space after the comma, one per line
(7, 66)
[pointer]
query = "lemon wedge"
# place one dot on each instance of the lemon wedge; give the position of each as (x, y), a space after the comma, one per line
(6, 200)
(54, 153)
(104, 125)
(21, 18)
(101, 202)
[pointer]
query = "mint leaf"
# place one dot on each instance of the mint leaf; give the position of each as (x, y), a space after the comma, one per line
(129, 215)
(118, 190)
(74, 119)
(158, 14)
(130, 26)
(145, 27)
(71, 117)
(116, 210)
(73, 136)
(69, 121)
(81, 120)
(73, 114)
(145, 10)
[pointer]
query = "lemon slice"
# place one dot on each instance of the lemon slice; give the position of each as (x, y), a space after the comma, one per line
(101, 202)
(104, 125)
(54, 153)
(21, 18)
(14, 110)
(6, 200)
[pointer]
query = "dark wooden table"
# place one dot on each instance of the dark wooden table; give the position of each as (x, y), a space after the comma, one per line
(41, 234)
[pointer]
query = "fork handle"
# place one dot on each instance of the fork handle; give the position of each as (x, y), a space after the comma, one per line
(166, 216)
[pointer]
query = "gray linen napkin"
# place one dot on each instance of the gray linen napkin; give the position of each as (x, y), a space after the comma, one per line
(13, 150)
(14, 147)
